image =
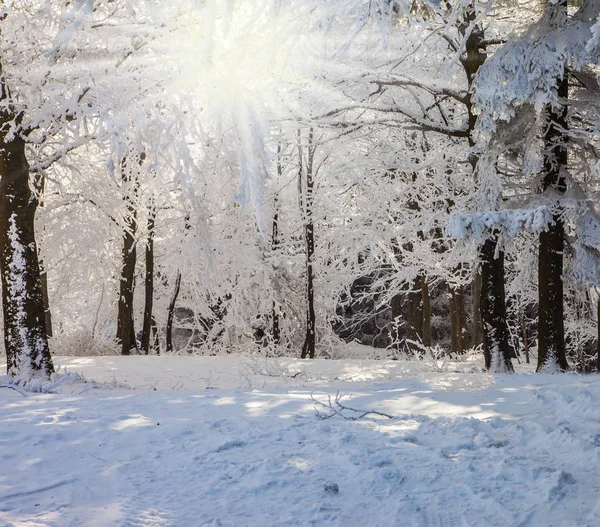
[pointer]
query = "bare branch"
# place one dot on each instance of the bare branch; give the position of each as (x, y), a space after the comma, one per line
(434, 90)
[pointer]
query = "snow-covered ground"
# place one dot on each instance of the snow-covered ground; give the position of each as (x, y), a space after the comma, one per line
(230, 441)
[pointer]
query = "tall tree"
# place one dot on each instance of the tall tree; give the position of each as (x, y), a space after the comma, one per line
(130, 177)
(25, 334)
(490, 297)
(148, 325)
(306, 193)
(524, 95)
(551, 326)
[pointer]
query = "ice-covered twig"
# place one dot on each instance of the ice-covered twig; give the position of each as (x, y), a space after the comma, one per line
(335, 407)
(67, 378)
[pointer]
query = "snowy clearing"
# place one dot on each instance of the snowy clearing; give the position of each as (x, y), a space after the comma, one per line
(230, 441)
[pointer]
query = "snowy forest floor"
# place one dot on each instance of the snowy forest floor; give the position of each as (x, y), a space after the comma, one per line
(234, 441)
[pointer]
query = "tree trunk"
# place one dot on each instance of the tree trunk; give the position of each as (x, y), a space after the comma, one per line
(426, 312)
(125, 322)
(171, 312)
(308, 349)
(396, 308)
(149, 281)
(46, 300)
(458, 331)
(39, 184)
(497, 350)
(551, 329)
(598, 330)
(154, 342)
(275, 328)
(477, 327)
(484, 329)
(25, 337)
(415, 313)
(525, 338)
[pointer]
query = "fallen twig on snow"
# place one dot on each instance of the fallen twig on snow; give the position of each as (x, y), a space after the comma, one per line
(335, 407)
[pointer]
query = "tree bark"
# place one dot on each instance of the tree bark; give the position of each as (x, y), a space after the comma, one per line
(497, 350)
(149, 281)
(25, 336)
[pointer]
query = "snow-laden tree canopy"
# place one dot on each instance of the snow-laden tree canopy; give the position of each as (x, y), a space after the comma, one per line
(525, 70)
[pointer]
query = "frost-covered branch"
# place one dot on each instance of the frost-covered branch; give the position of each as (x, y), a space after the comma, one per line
(480, 225)
(460, 96)
(414, 122)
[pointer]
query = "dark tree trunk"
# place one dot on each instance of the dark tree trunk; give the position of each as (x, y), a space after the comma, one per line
(396, 307)
(551, 329)
(276, 330)
(598, 329)
(415, 316)
(171, 312)
(477, 327)
(415, 313)
(154, 343)
(489, 317)
(426, 312)
(308, 349)
(39, 184)
(525, 338)
(125, 327)
(497, 350)
(125, 321)
(149, 281)
(476, 55)
(396, 304)
(458, 330)
(46, 300)
(25, 337)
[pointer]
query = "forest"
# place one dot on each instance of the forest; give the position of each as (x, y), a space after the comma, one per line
(300, 263)
(283, 178)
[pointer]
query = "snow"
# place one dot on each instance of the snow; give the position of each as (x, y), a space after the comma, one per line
(236, 441)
